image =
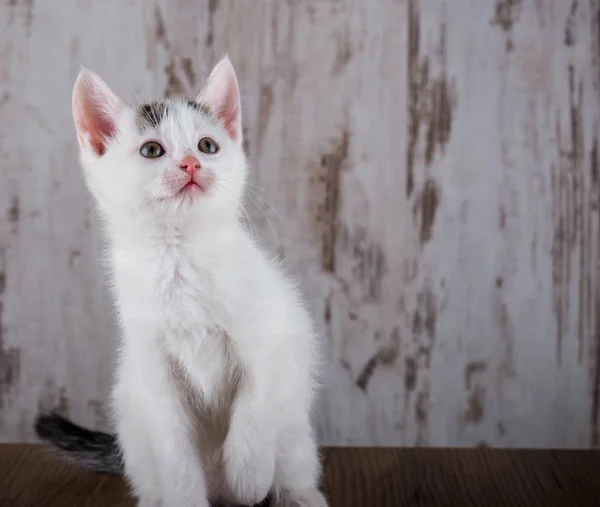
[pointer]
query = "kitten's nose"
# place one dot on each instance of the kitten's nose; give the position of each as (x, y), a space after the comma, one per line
(190, 165)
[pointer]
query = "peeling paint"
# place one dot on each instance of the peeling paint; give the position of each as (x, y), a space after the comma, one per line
(368, 262)
(188, 70)
(10, 367)
(74, 254)
(413, 71)
(157, 37)
(427, 204)
(425, 315)
(265, 105)
(14, 213)
(327, 196)
(506, 15)
(410, 374)
(160, 32)
(442, 100)
(422, 408)
(501, 429)
(431, 100)
(570, 24)
(471, 369)
(213, 5)
(385, 356)
(502, 217)
(10, 357)
(506, 367)
(476, 392)
(475, 405)
(327, 313)
(343, 53)
(439, 119)
(174, 84)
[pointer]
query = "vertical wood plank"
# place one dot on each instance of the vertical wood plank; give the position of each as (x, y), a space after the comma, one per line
(429, 169)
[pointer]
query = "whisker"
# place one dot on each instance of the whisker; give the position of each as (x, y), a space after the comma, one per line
(250, 223)
(254, 189)
(252, 227)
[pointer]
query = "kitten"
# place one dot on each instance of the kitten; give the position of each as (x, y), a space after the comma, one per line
(218, 363)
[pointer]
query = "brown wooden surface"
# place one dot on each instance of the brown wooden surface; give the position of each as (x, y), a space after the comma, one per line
(30, 476)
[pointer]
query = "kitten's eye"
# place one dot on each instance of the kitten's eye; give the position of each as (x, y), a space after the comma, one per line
(152, 149)
(208, 145)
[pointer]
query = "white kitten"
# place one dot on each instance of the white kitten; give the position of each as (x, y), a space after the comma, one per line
(217, 368)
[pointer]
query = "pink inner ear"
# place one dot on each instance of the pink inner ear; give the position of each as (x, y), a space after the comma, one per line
(229, 113)
(222, 96)
(95, 109)
(99, 130)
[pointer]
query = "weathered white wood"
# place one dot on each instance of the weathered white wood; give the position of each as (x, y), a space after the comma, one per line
(428, 168)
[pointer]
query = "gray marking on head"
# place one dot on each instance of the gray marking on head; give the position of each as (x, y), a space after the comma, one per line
(150, 116)
(201, 108)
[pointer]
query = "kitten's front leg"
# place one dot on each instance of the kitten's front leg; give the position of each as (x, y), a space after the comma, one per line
(172, 475)
(155, 434)
(141, 467)
(182, 477)
(249, 450)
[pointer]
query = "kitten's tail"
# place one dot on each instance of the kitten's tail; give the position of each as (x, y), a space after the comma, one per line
(94, 450)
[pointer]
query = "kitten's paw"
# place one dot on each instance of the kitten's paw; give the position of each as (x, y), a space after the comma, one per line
(249, 479)
(308, 498)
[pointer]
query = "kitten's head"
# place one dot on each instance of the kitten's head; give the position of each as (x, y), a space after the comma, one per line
(173, 160)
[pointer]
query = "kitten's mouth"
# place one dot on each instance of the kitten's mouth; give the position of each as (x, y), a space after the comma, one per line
(191, 186)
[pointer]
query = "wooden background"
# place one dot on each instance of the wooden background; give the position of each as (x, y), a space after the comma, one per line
(430, 170)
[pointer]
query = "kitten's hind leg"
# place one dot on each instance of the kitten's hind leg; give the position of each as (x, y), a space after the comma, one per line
(297, 469)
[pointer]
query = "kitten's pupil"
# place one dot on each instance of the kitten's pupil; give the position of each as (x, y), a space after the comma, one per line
(208, 145)
(152, 149)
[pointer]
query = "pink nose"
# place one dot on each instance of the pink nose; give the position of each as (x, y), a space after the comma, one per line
(190, 165)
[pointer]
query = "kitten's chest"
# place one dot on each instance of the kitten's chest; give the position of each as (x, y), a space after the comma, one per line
(191, 321)
(179, 303)
(182, 296)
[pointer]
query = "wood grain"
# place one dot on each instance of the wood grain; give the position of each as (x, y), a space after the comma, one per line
(354, 477)
(433, 182)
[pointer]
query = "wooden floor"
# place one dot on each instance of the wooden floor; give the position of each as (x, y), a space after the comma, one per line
(30, 476)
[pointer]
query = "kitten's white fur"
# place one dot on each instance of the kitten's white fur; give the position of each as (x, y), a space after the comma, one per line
(218, 363)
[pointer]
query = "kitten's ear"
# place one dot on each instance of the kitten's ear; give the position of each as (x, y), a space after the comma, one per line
(95, 110)
(221, 94)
